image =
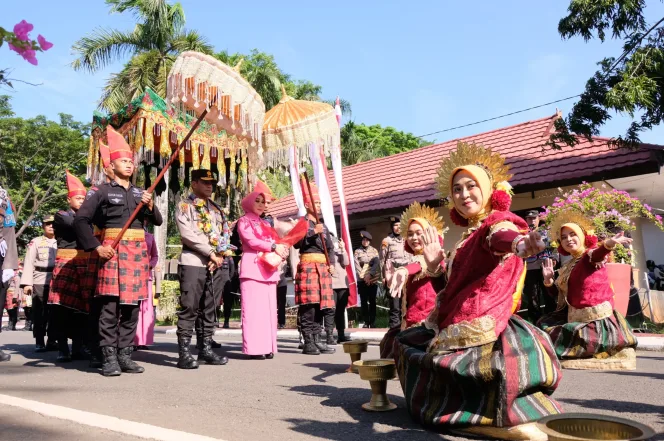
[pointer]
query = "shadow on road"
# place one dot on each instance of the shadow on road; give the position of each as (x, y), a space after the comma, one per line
(653, 375)
(47, 359)
(618, 406)
(328, 370)
(350, 400)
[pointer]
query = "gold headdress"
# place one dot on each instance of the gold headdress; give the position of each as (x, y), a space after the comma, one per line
(570, 216)
(418, 211)
(472, 154)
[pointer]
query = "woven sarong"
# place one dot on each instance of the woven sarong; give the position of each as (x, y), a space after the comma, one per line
(126, 274)
(68, 286)
(313, 284)
(387, 343)
(597, 339)
(504, 383)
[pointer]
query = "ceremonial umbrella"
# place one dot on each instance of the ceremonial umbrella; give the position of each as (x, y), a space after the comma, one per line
(297, 123)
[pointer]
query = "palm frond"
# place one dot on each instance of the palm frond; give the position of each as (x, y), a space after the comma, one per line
(190, 41)
(100, 48)
(141, 71)
(346, 109)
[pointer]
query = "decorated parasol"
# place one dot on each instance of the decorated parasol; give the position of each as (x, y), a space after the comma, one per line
(297, 123)
(214, 92)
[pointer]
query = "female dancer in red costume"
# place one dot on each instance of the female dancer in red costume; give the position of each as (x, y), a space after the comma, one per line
(474, 367)
(415, 282)
(586, 331)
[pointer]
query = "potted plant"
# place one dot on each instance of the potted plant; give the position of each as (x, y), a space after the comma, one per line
(611, 211)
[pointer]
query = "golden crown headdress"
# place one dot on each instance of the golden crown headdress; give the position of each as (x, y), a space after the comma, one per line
(569, 216)
(422, 211)
(473, 154)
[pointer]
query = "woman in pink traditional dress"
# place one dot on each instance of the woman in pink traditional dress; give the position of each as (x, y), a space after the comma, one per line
(258, 282)
(586, 331)
(474, 367)
(418, 285)
(145, 328)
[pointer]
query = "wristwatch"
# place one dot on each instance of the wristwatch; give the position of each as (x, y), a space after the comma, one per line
(274, 246)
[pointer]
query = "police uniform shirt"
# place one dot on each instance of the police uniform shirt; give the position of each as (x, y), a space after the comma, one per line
(110, 207)
(196, 247)
(39, 261)
(392, 249)
(364, 256)
(63, 225)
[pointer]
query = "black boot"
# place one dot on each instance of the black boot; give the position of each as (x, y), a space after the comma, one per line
(64, 356)
(226, 324)
(126, 363)
(4, 356)
(40, 346)
(309, 347)
(186, 360)
(51, 345)
(110, 366)
(95, 358)
(329, 333)
(341, 336)
(28, 319)
(322, 346)
(77, 350)
(208, 356)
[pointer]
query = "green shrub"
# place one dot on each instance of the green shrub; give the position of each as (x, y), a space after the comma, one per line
(169, 302)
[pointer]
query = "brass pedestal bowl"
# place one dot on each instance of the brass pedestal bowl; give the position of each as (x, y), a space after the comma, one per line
(377, 372)
(355, 348)
(588, 426)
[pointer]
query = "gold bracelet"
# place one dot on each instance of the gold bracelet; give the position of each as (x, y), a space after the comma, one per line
(516, 242)
(548, 285)
(607, 247)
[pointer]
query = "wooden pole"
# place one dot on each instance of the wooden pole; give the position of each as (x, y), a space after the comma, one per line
(313, 206)
(159, 178)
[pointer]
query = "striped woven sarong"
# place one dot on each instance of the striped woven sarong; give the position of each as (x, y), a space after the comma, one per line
(597, 339)
(504, 383)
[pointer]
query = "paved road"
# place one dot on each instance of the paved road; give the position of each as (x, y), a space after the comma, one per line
(292, 397)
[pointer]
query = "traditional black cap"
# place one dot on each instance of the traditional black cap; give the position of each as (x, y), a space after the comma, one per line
(394, 219)
(532, 213)
(48, 219)
(365, 235)
(202, 175)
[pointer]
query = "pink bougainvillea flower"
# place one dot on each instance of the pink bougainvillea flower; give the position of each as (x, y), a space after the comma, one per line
(22, 29)
(29, 55)
(45, 45)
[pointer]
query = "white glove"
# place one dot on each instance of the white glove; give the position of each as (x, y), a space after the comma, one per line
(7, 275)
(3, 247)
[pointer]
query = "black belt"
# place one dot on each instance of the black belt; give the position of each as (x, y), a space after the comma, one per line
(44, 269)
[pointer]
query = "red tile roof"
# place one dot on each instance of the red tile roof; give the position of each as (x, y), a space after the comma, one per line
(398, 180)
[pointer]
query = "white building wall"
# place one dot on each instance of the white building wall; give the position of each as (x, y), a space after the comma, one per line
(653, 240)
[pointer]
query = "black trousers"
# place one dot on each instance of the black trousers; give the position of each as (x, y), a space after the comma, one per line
(3, 292)
(395, 311)
(40, 325)
(341, 302)
(368, 301)
(198, 298)
(282, 291)
(117, 322)
(92, 335)
(221, 282)
(230, 297)
(535, 297)
(311, 317)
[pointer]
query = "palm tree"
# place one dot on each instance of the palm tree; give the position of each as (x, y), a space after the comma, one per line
(154, 44)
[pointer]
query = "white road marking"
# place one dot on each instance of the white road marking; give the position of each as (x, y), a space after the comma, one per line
(114, 424)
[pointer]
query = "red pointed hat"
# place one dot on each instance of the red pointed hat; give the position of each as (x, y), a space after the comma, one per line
(305, 191)
(117, 145)
(74, 186)
(105, 154)
(262, 188)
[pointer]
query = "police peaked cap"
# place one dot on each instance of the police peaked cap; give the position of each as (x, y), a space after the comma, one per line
(202, 175)
(48, 219)
(365, 235)
(395, 219)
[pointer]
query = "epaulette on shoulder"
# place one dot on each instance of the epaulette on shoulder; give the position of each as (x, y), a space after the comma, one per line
(63, 213)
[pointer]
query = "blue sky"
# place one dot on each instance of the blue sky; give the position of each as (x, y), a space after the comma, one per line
(418, 66)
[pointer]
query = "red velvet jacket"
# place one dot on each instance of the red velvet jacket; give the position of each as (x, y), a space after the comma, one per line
(421, 292)
(483, 280)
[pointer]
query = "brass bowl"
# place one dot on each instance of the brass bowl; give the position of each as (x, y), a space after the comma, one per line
(355, 348)
(377, 372)
(588, 426)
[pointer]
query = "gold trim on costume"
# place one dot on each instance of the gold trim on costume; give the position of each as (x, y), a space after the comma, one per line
(71, 254)
(313, 258)
(417, 210)
(465, 334)
(569, 216)
(590, 314)
(130, 234)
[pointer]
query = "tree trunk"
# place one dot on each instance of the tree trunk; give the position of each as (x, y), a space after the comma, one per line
(161, 232)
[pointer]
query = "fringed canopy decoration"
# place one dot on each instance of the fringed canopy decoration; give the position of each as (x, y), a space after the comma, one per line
(154, 130)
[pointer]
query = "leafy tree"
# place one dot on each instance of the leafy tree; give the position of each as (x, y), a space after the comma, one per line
(633, 83)
(35, 154)
(360, 142)
(154, 44)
